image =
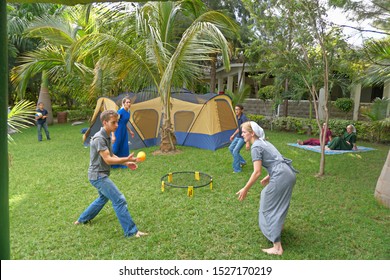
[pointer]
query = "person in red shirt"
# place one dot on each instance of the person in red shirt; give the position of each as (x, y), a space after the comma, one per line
(316, 141)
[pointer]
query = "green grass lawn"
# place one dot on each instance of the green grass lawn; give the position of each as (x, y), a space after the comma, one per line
(335, 217)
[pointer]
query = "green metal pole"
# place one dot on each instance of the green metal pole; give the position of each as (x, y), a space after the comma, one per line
(4, 203)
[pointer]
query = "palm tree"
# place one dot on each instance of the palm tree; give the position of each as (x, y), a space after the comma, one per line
(52, 59)
(162, 45)
(19, 17)
(378, 72)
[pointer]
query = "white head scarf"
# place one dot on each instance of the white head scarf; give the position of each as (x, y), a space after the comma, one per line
(258, 130)
(353, 128)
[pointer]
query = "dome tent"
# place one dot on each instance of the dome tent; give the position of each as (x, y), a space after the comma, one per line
(204, 121)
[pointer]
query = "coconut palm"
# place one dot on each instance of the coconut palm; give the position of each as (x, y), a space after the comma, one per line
(162, 45)
(19, 17)
(378, 72)
(52, 59)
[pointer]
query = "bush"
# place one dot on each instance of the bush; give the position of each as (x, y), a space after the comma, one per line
(80, 114)
(256, 118)
(365, 130)
(344, 104)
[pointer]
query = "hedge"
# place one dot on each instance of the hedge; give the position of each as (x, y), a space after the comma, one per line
(366, 130)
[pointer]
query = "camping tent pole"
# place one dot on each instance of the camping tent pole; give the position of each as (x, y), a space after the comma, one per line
(4, 203)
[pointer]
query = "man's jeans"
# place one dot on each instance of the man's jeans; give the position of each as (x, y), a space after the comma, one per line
(44, 125)
(235, 148)
(108, 191)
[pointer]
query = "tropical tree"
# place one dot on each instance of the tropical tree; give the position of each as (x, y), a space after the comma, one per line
(23, 72)
(19, 17)
(297, 46)
(236, 10)
(321, 65)
(53, 58)
(153, 49)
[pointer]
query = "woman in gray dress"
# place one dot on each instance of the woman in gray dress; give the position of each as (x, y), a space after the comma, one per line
(275, 197)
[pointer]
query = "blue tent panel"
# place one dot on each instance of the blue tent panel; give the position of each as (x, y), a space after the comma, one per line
(136, 142)
(151, 142)
(204, 141)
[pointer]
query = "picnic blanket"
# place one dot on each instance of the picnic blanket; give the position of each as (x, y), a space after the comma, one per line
(330, 152)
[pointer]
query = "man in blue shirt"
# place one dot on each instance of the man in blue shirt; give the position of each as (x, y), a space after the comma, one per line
(237, 140)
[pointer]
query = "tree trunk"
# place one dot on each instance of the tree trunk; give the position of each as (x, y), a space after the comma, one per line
(168, 138)
(286, 100)
(44, 97)
(213, 73)
(382, 190)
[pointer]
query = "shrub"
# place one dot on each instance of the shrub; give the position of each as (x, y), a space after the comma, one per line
(344, 104)
(365, 130)
(80, 114)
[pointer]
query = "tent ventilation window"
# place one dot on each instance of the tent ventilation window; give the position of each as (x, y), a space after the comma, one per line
(186, 119)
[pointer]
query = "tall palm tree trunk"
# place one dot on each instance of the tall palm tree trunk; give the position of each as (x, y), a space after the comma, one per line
(286, 99)
(168, 138)
(44, 96)
(382, 190)
(213, 72)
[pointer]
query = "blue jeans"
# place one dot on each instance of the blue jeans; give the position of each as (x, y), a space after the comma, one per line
(108, 191)
(44, 125)
(235, 148)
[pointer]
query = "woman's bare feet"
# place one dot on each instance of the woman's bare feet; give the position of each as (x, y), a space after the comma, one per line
(140, 234)
(273, 251)
(276, 250)
(76, 223)
(300, 142)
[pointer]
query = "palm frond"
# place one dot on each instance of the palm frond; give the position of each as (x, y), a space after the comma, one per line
(240, 95)
(378, 55)
(385, 123)
(54, 30)
(32, 63)
(132, 61)
(198, 41)
(21, 116)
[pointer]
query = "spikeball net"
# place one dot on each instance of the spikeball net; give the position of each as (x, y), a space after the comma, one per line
(189, 180)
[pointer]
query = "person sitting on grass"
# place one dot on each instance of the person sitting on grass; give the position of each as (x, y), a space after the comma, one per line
(316, 141)
(347, 141)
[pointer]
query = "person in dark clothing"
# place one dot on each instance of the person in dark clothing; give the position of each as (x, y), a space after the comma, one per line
(237, 140)
(40, 117)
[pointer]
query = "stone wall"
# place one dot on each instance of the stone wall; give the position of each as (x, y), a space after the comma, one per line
(298, 109)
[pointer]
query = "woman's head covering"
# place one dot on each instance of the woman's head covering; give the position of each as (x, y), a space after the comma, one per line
(258, 130)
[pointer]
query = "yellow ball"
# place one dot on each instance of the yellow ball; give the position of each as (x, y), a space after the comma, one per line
(141, 156)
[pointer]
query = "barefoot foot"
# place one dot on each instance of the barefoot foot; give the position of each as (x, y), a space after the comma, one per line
(140, 234)
(77, 223)
(273, 251)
